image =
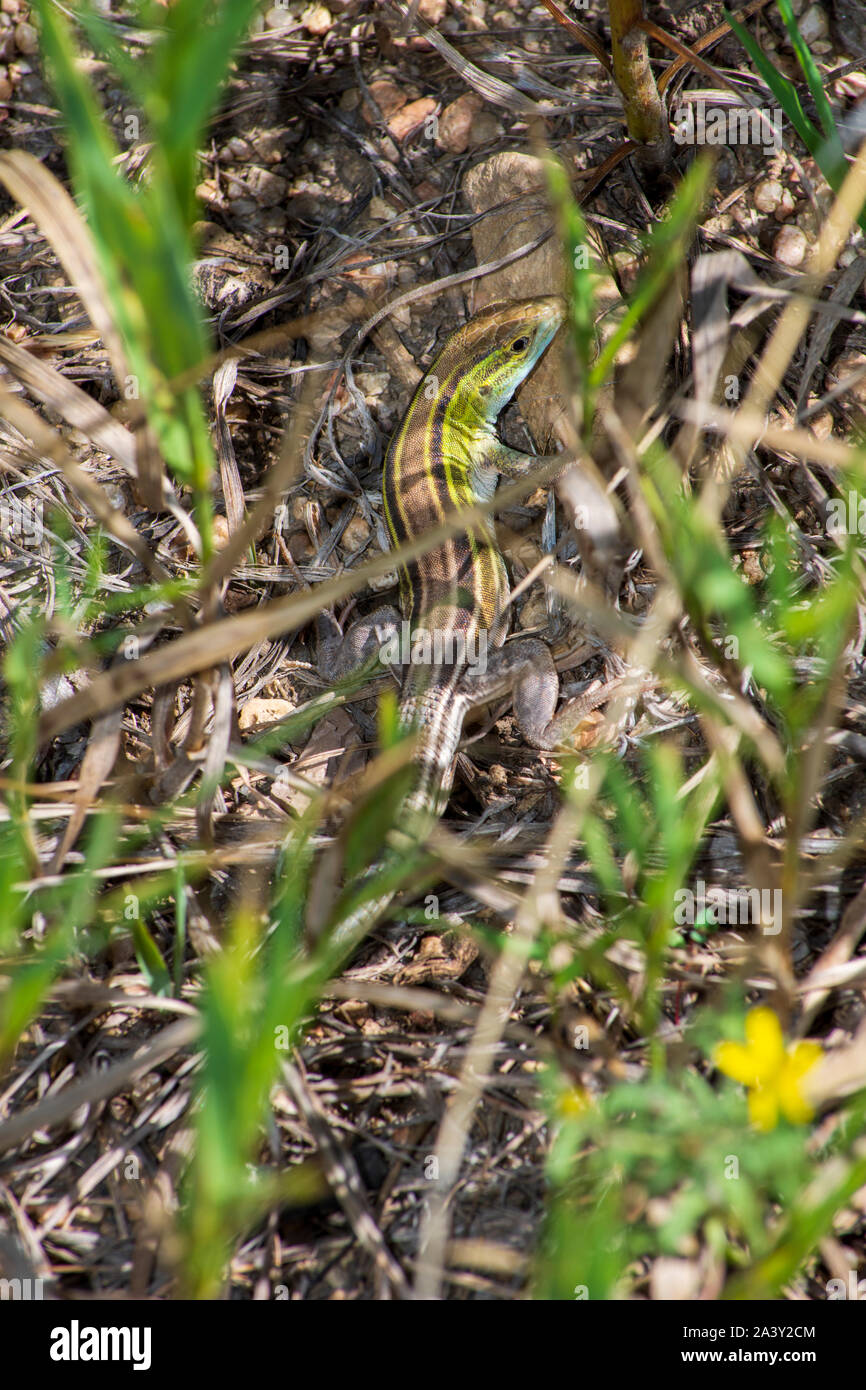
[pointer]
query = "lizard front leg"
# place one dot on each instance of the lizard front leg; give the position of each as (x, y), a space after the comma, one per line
(340, 654)
(512, 463)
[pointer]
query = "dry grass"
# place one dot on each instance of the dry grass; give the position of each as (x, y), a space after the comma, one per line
(317, 216)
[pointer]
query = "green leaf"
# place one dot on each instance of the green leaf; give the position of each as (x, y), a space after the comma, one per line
(667, 244)
(150, 961)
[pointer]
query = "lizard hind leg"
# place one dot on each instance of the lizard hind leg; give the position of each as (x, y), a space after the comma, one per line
(526, 668)
(535, 686)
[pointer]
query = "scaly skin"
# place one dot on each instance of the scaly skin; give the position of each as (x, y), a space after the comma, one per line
(446, 455)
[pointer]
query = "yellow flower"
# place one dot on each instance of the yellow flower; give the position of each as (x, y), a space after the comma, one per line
(573, 1102)
(771, 1072)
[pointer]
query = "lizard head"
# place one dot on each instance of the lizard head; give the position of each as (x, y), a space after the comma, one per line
(499, 348)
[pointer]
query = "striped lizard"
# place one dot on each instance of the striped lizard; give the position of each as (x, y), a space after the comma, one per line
(446, 456)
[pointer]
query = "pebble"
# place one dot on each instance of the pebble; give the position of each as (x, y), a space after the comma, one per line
(485, 128)
(380, 210)
(791, 247)
(372, 384)
(846, 364)
(259, 713)
(411, 117)
(388, 97)
(26, 38)
(455, 123)
(474, 14)
(236, 148)
(267, 188)
(821, 424)
(317, 20)
(7, 38)
(220, 532)
(814, 24)
(772, 196)
(278, 18)
(357, 532)
(673, 1279)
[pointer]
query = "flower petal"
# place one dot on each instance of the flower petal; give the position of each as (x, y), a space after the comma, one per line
(737, 1062)
(795, 1106)
(764, 1036)
(803, 1056)
(764, 1108)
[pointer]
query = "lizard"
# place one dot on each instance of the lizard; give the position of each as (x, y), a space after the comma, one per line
(445, 456)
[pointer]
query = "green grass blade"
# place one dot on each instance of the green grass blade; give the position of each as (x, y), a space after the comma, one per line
(812, 75)
(783, 90)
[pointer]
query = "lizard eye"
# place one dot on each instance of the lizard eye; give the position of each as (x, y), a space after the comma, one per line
(520, 345)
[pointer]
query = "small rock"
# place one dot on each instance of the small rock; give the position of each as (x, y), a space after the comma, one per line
(268, 189)
(270, 145)
(380, 210)
(772, 196)
(357, 533)
(5, 85)
(243, 207)
(236, 148)
(307, 206)
(485, 128)
(372, 384)
(278, 18)
(821, 424)
(673, 1279)
(384, 581)
(259, 714)
(208, 192)
(752, 571)
(301, 548)
(433, 11)
(475, 15)
(220, 532)
(814, 24)
(388, 97)
(411, 117)
(845, 365)
(791, 247)
(7, 38)
(26, 38)
(455, 123)
(317, 20)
